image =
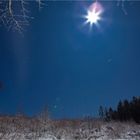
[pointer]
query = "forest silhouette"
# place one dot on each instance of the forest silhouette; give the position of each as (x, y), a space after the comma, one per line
(125, 111)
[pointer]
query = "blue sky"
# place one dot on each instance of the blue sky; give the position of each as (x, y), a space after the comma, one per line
(62, 65)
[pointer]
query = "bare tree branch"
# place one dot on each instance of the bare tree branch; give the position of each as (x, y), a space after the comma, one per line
(14, 14)
(121, 4)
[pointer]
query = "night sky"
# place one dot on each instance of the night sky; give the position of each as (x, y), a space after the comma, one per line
(61, 64)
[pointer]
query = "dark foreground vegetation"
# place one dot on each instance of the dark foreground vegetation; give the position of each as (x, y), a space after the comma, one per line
(125, 111)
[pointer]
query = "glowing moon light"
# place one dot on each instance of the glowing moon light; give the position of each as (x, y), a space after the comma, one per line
(93, 13)
(92, 17)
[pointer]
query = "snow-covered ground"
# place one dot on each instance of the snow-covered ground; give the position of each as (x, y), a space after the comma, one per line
(21, 128)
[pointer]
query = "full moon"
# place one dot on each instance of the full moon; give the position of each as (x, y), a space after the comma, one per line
(92, 17)
(93, 14)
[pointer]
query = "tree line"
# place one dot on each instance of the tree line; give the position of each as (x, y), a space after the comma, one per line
(125, 111)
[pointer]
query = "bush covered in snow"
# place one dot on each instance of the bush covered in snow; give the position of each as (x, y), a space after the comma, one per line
(36, 128)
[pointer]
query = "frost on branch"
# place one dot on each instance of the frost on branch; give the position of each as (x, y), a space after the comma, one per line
(14, 15)
(121, 4)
